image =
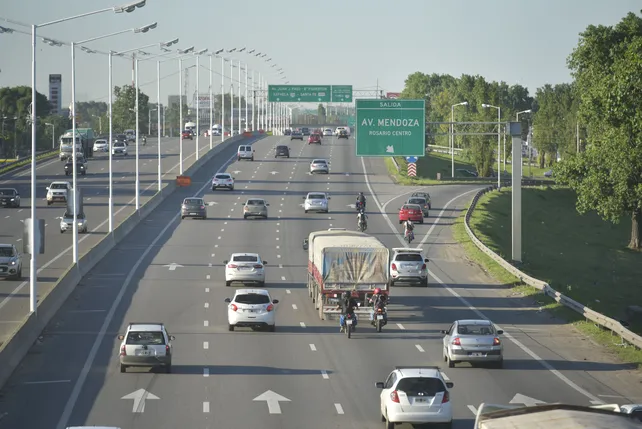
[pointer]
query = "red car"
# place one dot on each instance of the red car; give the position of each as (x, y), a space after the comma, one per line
(314, 138)
(411, 212)
(187, 135)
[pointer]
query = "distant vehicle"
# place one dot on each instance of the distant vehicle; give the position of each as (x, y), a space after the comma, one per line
(255, 207)
(424, 195)
(187, 135)
(314, 139)
(327, 132)
(193, 207)
(9, 197)
(319, 166)
(338, 130)
(253, 308)
(316, 202)
(101, 145)
(343, 134)
(81, 167)
(245, 152)
(421, 202)
(473, 341)
(146, 344)
(411, 212)
(58, 192)
(296, 135)
(287, 132)
(119, 148)
(245, 268)
(67, 222)
(282, 150)
(305, 131)
(10, 262)
(408, 265)
(222, 180)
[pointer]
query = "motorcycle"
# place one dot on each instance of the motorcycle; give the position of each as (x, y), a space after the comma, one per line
(380, 318)
(362, 225)
(410, 235)
(144, 141)
(348, 323)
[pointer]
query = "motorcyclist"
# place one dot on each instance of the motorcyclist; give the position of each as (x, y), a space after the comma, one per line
(377, 299)
(361, 200)
(362, 218)
(408, 230)
(144, 140)
(348, 305)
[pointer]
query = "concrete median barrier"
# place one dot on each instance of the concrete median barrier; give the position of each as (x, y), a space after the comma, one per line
(16, 347)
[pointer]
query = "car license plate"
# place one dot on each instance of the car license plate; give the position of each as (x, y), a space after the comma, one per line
(349, 321)
(379, 316)
(144, 352)
(193, 214)
(420, 400)
(245, 268)
(476, 354)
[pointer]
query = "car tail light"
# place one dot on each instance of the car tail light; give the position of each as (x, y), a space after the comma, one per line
(233, 307)
(202, 207)
(258, 266)
(446, 398)
(423, 267)
(167, 349)
(379, 310)
(394, 397)
(456, 342)
(270, 307)
(394, 267)
(232, 266)
(123, 352)
(496, 341)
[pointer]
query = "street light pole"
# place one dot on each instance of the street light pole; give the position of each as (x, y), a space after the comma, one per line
(180, 115)
(527, 140)
(211, 104)
(137, 132)
(160, 176)
(232, 98)
(222, 99)
(247, 116)
(253, 103)
(240, 105)
(198, 102)
(111, 142)
(73, 155)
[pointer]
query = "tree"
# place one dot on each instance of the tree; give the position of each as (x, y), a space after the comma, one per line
(607, 176)
(89, 112)
(321, 115)
(123, 112)
(14, 103)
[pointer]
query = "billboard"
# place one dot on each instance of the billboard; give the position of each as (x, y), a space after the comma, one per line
(393, 95)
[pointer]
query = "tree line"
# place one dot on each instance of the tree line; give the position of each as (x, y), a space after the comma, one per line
(594, 123)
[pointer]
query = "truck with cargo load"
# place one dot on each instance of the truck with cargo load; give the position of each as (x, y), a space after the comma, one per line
(84, 144)
(340, 261)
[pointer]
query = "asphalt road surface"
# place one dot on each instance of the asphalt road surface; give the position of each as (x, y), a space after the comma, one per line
(14, 294)
(324, 379)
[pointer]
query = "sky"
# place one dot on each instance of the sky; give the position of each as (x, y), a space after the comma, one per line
(364, 43)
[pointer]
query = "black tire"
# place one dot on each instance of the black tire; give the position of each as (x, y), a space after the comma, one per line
(379, 325)
(391, 283)
(168, 369)
(349, 330)
(230, 327)
(232, 188)
(424, 283)
(228, 284)
(244, 216)
(272, 328)
(389, 424)
(48, 203)
(499, 365)
(306, 211)
(123, 368)
(451, 364)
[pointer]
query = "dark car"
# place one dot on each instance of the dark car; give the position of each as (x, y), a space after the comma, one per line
(121, 138)
(193, 207)
(296, 135)
(314, 139)
(81, 168)
(187, 134)
(343, 134)
(9, 197)
(287, 132)
(282, 151)
(305, 131)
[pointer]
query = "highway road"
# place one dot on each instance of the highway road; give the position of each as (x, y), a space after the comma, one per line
(14, 294)
(323, 379)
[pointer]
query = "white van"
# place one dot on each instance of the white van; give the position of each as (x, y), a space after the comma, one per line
(338, 130)
(245, 152)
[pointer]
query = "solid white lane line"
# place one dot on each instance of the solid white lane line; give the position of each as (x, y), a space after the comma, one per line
(401, 326)
(206, 345)
(206, 372)
(207, 305)
(302, 324)
(206, 407)
(313, 347)
(324, 374)
(339, 408)
(206, 323)
(421, 349)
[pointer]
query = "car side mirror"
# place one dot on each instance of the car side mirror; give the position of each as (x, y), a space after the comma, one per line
(172, 338)
(301, 197)
(228, 300)
(225, 262)
(275, 301)
(267, 204)
(329, 198)
(305, 244)
(379, 384)
(450, 384)
(500, 332)
(426, 260)
(443, 331)
(121, 337)
(233, 178)
(47, 188)
(264, 262)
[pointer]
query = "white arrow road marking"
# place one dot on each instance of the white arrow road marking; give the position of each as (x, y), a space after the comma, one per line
(236, 171)
(139, 397)
(472, 410)
(211, 203)
(273, 400)
(173, 266)
(354, 206)
(526, 400)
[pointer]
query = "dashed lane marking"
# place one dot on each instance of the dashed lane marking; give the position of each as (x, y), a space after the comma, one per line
(313, 347)
(421, 349)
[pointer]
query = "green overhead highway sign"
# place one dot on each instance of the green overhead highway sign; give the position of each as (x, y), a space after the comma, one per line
(391, 127)
(310, 93)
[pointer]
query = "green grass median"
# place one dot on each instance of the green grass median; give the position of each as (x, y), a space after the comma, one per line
(45, 155)
(581, 256)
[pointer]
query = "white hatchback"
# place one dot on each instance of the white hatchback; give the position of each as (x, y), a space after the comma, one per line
(245, 268)
(415, 395)
(251, 308)
(101, 145)
(222, 180)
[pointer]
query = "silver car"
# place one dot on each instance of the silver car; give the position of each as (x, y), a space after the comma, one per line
(408, 265)
(245, 268)
(319, 166)
(421, 202)
(316, 202)
(67, 222)
(255, 207)
(146, 344)
(474, 341)
(10, 262)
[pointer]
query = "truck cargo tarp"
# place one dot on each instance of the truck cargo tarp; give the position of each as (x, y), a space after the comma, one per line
(355, 266)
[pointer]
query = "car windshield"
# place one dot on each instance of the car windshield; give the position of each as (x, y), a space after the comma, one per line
(252, 298)
(245, 258)
(420, 201)
(281, 148)
(193, 202)
(475, 330)
(101, 142)
(316, 197)
(409, 257)
(8, 192)
(319, 161)
(255, 203)
(222, 176)
(71, 215)
(6, 252)
(119, 144)
(421, 386)
(58, 186)
(146, 338)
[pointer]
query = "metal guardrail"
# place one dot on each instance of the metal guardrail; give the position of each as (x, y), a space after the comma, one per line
(28, 157)
(597, 318)
(394, 161)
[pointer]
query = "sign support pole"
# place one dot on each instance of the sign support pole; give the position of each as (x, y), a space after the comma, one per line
(515, 131)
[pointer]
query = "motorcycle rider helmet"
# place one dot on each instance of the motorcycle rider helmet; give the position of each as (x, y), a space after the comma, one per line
(346, 295)
(377, 291)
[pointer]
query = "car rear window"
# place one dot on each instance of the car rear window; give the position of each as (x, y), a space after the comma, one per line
(319, 161)
(244, 148)
(245, 258)
(58, 186)
(421, 386)
(255, 203)
(222, 176)
(282, 148)
(475, 330)
(71, 215)
(193, 201)
(409, 257)
(8, 192)
(6, 252)
(146, 338)
(316, 197)
(417, 201)
(252, 298)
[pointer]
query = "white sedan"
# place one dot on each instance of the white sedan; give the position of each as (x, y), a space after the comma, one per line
(245, 268)
(101, 145)
(251, 308)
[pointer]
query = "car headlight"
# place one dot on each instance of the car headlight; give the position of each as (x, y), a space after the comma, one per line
(13, 262)
(13, 199)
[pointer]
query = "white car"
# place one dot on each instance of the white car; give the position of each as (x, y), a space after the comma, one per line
(58, 192)
(251, 308)
(146, 344)
(119, 148)
(316, 202)
(222, 180)
(245, 152)
(327, 132)
(408, 265)
(339, 129)
(67, 222)
(415, 395)
(319, 166)
(245, 268)
(101, 145)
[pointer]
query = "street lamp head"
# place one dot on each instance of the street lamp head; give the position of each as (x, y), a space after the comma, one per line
(527, 111)
(87, 50)
(464, 103)
(258, 54)
(146, 28)
(5, 30)
(231, 50)
(263, 55)
(51, 42)
(486, 106)
(201, 52)
(268, 60)
(130, 7)
(252, 51)
(241, 50)
(170, 43)
(220, 51)
(186, 51)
